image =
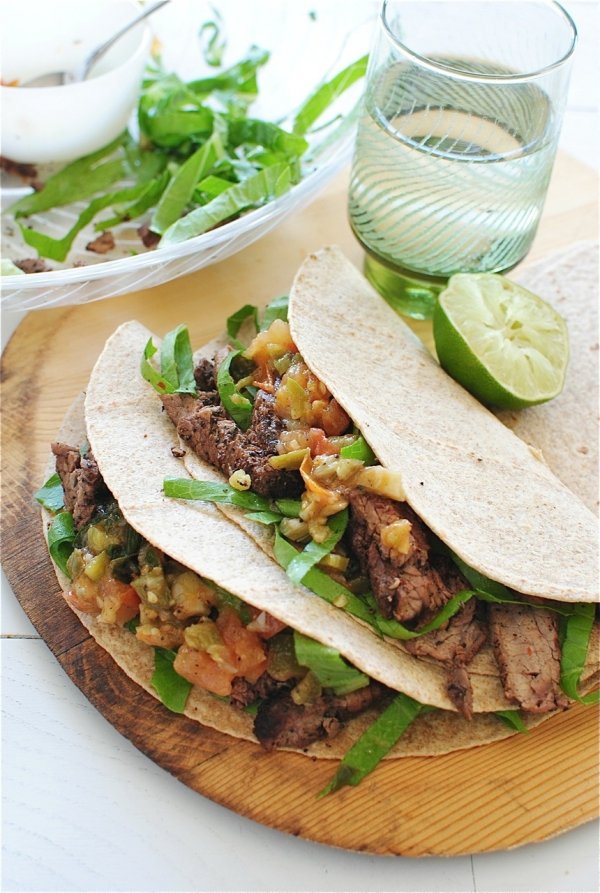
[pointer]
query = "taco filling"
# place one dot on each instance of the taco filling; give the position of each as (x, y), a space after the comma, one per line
(298, 690)
(261, 417)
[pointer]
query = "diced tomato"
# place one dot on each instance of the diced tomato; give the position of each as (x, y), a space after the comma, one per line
(334, 420)
(319, 444)
(250, 655)
(199, 668)
(265, 625)
(120, 602)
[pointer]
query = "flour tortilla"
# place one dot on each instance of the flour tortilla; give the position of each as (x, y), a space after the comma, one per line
(566, 429)
(433, 734)
(481, 489)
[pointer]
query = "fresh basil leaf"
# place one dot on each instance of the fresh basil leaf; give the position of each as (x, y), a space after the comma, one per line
(177, 361)
(327, 93)
(150, 374)
(51, 495)
(396, 630)
(576, 634)
(238, 406)
(313, 552)
(277, 309)
(256, 190)
(236, 320)
(323, 585)
(360, 450)
(513, 719)
(171, 688)
(375, 742)
(207, 491)
(61, 540)
(328, 665)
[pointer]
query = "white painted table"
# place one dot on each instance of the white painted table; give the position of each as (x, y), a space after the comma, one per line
(83, 810)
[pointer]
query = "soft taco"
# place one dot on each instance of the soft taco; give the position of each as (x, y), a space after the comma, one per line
(241, 594)
(383, 486)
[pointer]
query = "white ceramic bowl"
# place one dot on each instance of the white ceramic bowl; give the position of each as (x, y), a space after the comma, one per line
(45, 124)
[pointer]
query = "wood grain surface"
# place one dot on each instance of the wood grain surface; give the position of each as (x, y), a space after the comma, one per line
(523, 789)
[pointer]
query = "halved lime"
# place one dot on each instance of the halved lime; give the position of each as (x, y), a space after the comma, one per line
(504, 344)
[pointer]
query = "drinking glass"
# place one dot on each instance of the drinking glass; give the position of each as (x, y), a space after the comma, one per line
(456, 140)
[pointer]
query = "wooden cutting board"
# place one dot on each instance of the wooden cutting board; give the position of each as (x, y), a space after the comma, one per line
(519, 790)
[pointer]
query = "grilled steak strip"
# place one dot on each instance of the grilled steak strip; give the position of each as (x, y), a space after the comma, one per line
(404, 584)
(82, 482)
(527, 650)
(244, 692)
(455, 644)
(203, 423)
(282, 723)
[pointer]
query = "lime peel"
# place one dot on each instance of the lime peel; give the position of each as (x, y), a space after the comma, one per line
(503, 343)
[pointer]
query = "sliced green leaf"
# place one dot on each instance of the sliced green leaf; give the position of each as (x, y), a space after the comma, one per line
(264, 133)
(61, 540)
(171, 688)
(360, 450)
(178, 193)
(276, 309)
(576, 634)
(150, 374)
(177, 361)
(237, 319)
(327, 93)
(238, 406)
(208, 491)
(396, 630)
(289, 507)
(375, 742)
(322, 584)
(51, 495)
(75, 182)
(513, 719)
(213, 45)
(328, 665)
(256, 190)
(313, 552)
(264, 517)
(57, 249)
(147, 199)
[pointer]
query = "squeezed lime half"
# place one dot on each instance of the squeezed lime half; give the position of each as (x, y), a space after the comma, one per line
(503, 343)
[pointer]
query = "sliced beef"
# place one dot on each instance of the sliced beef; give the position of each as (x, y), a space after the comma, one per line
(282, 723)
(404, 584)
(203, 423)
(527, 650)
(102, 244)
(204, 373)
(455, 644)
(82, 482)
(32, 265)
(149, 238)
(244, 693)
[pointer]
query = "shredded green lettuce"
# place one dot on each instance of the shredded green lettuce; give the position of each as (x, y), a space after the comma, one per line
(313, 552)
(150, 374)
(177, 361)
(576, 632)
(277, 309)
(513, 719)
(360, 450)
(328, 665)
(238, 406)
(327, 93)
(51, 495)
(207, 491)
(171, 688)
(375, 742)
(61, 540)
(237, 319)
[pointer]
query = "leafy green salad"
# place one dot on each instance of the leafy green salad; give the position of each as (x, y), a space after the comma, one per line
(200, 159)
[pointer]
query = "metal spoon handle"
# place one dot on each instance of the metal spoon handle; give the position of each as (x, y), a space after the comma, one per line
(96, 55)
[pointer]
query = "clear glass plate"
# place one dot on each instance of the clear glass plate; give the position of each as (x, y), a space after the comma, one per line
(307, 45)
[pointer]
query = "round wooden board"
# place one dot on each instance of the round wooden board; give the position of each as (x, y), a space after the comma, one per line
(520, 790)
